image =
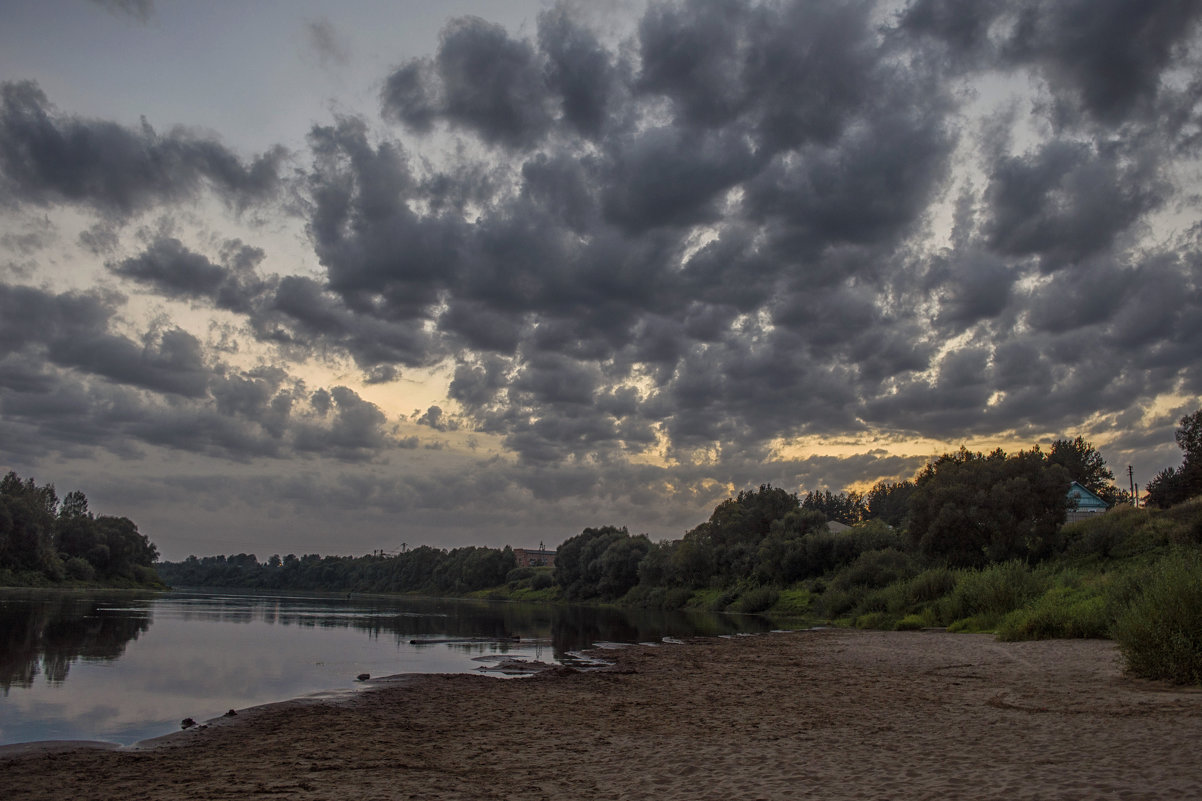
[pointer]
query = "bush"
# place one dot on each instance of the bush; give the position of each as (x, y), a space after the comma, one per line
(757, 600)
(921, 590)
(79, 569)
(835, 603)
(913, 623)
(519, 574)
(872, 620)
(990, 593)
(1060, 613)
(541, 580)
(877, 568)
(723, 600)
(1159, 632)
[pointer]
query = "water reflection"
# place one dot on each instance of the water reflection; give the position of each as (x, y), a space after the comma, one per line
(45, 633)
(126, 666)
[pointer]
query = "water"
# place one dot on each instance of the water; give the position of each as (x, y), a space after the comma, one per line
(126, 666)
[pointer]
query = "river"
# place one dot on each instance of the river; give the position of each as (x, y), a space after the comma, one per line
(126, 666)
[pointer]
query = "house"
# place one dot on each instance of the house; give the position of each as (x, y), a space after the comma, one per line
(1083, 504)
(530, 557)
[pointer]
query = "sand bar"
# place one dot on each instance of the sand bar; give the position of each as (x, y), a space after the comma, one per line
(827, 714)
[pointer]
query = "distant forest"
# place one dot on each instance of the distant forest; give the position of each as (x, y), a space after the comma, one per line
(45, 542)
(964, 509)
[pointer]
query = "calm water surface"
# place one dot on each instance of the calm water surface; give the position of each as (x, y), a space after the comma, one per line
(123, 667)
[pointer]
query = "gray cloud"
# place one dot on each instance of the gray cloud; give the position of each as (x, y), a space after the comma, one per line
(177, 272)
(480, 79)
(327, 42)
(48, 158)
(743, 224)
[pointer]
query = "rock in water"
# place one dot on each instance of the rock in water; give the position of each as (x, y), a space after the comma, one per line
(187, 723)
(363, 676)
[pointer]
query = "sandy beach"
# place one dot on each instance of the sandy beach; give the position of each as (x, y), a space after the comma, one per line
(825, 714)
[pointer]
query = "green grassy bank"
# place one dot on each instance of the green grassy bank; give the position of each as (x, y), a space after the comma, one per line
(1133, 575)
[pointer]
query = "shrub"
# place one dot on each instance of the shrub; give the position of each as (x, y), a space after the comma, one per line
(1159, 632)
(990, 593)
(872, 620)
(1060, 613)
(877, 568)
(519, 574)
(835, 603)
(723, 600)
(79, 569)
(913, 623)
(928, 586)
(541, 580)
(757, 600)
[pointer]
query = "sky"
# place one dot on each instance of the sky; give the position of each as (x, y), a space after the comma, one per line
(316, 277)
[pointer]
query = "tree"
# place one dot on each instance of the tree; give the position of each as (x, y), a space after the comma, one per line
(725, 548)
(847, 508)
(27, 518)
(889, 503)
(970, 509)
(1174, 485)
(1085, 466)
(600, 563)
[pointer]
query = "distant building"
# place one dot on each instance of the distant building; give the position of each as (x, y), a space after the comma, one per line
(1083, 504)
(531, 557)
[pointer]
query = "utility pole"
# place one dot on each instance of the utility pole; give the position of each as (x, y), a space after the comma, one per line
(1131, 478)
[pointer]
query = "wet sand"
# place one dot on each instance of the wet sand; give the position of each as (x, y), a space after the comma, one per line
(827, 714)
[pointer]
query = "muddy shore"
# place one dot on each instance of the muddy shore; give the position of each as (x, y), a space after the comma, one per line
(825, 714)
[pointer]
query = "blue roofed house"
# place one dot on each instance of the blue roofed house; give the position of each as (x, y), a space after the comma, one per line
(1083, 504)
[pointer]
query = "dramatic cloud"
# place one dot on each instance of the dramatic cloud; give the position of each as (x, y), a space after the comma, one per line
(622, 266)
(47, 157)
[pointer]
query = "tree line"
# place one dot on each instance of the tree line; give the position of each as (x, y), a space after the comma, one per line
(424, 569)
(43, 540)
(963, 510)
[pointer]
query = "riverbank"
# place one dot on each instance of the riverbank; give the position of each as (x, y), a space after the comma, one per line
(826, 714)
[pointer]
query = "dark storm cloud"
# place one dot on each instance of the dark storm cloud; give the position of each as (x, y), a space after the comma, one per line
(747, 223)
(1104, 59)
(174, 271)
(811, 146)
(791, 73)
(673, 177)
(481, 80)
(1067, 202)
(47, 158)
(66, 376)
(579, 70)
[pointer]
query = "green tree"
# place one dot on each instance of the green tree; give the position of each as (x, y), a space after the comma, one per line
(1174, 485)
(889, 502)
(600, 563)
(1086, 466)
(27, 517)
(844, 507)
(969, 509)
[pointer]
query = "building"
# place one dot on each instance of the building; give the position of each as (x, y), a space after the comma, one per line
(1083, 504)
(531, 557)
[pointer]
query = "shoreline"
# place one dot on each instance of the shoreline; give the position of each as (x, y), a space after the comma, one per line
(829, 714)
